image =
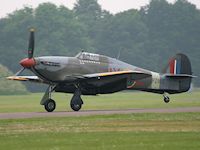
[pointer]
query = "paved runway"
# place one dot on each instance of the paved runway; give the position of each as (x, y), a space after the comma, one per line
(95, 112)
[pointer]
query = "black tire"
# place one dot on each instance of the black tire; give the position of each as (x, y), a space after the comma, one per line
(50, 105)
(76, 107)
(166, 99)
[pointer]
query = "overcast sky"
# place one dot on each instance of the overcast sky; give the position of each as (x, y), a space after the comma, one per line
(113, 6)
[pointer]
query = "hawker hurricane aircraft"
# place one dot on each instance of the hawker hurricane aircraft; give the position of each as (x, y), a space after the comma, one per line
(93, 74)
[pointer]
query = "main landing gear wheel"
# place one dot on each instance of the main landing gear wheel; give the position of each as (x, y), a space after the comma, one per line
(166, 99)
(76, 107)
(50, 105)
(76, 101)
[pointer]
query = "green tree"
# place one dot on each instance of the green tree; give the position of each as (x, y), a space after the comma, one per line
(90, 14)
(60, 33)
(145, 37)
(13, 37)
(10, 87)
(88, 11)
(173, 28)
(156, 16)
(123, 32)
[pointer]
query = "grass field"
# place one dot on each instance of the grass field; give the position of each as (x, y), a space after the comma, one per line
(118, 132)
(127, 100)
(148, 131)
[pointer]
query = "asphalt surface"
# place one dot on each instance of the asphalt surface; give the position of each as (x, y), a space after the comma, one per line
(95, 112)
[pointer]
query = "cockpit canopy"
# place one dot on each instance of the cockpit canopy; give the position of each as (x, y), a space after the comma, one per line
(91, 57)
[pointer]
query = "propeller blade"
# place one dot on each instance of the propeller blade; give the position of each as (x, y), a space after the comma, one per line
(31, 43)
(20, 71)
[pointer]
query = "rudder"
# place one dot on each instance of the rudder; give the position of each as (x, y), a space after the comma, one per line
(180, 65)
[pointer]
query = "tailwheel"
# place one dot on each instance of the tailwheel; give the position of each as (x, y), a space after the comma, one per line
(166, 99)
(50, 105)
(76, 107)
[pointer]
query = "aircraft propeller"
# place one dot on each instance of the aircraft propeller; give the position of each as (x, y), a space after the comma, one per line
(31, 43)
(30, 62)
(20, 71)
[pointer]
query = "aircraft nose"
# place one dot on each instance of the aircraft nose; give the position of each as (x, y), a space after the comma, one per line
(28, 62)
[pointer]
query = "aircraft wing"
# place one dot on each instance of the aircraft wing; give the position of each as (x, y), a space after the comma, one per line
(102, 83)
(133, 75)
(26, 78)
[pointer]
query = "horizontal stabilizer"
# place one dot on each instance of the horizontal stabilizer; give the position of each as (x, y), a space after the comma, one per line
(179, 76)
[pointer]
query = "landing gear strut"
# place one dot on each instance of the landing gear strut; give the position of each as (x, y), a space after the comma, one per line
(76, 101)
(166, 98)
(49, 104)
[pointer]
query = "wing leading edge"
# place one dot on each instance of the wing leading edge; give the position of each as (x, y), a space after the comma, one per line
(136, 75)
(26, 78)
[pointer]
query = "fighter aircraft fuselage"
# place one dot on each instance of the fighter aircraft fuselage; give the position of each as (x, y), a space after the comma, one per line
(60, 70)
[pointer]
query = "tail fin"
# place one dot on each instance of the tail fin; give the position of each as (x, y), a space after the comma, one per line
(179, 64)
(179, 68)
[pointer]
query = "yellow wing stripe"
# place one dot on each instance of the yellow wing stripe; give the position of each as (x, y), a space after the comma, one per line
(17, 78)
(114, 73)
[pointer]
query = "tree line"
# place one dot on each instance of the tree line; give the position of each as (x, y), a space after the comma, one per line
(146, 38)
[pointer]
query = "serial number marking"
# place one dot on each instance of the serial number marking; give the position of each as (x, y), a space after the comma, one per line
(47, 63)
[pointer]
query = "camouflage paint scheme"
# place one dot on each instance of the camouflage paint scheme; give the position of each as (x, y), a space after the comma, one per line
(65, 72)
(92, 74)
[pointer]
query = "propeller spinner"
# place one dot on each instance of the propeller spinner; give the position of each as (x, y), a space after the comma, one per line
(30, 62)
